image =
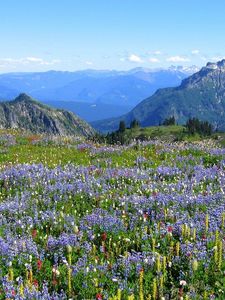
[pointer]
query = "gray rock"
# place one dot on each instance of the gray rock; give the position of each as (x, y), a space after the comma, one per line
(25, 113)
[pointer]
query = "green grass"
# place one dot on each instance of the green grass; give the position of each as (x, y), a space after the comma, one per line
(167, 133)
(51, 154)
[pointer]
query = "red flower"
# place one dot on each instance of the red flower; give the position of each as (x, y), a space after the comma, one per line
(35, 283)
(34, 233)
(39, 264)
(99, 296)
(104, 236)
(13, 293)
(154, 194)
(203, 237)
(169, 228)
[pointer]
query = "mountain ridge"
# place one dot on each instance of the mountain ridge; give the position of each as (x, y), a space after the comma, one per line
(200, 95)
(28, 114)
(98, 87)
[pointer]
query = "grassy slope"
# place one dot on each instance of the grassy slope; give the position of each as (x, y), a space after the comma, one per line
(34, 149)
(165, 133)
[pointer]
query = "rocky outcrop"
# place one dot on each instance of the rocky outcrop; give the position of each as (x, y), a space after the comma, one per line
(28, 114)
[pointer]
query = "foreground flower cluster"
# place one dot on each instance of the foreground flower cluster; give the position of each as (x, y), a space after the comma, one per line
(150, 231)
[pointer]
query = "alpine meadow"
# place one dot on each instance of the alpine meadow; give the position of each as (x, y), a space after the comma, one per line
(112, 150)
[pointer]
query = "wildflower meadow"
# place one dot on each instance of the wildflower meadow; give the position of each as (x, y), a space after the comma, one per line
(80, 220)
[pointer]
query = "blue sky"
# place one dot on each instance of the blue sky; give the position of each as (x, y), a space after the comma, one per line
(39, 35)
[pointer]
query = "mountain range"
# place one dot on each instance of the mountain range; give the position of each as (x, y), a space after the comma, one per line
(92, 94)
(26, 114)
(201, 95)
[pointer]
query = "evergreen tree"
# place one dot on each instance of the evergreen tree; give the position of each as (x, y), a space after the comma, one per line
(134, 124)
(169, 121)
(122, 126)
(194, 125)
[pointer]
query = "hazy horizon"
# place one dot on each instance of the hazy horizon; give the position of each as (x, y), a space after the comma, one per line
(150, 69)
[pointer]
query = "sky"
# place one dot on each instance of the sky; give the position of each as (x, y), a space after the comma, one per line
(70, 35)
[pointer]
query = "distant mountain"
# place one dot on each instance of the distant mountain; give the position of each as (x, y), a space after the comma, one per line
(201, 95)
(91, 111)
(105, 89)
(7, 93)
(28, 114)
(116, 90)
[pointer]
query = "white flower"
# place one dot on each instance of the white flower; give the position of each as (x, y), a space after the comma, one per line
(183, 282)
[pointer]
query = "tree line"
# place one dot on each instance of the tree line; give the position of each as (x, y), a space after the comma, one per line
(193, 125)
(124, 136)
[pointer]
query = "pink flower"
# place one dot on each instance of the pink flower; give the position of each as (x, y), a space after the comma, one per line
(99, 296)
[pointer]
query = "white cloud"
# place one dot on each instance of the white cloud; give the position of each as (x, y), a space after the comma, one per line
(203, 58)
(217, 58)
(30, 60)
(158, 52)
(195, 51)
(177, 58)
(89, 63)
(135, 58)
(153, 60)
(56, 61)
(34, 59)
(41, 61)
